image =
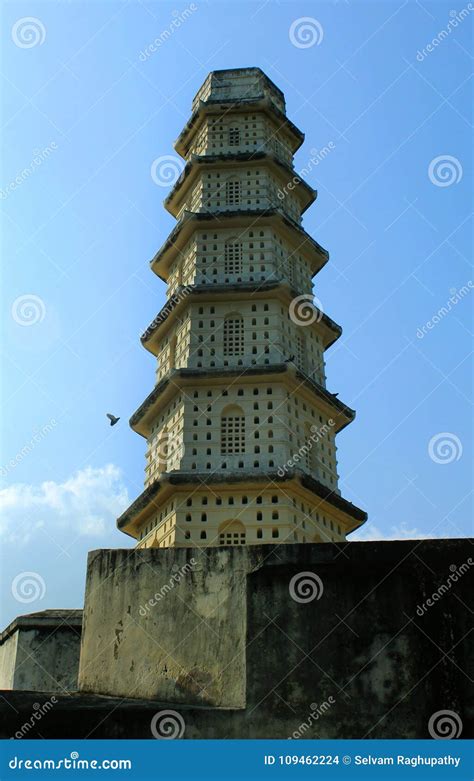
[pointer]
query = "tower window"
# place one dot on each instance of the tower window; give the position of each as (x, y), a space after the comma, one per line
(233, 257)
(232, 431)
(232, 533)
(234, 136)
(234, 335)
(300, 351)
(232, 192)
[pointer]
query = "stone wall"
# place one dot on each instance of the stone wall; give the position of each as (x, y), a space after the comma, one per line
(165, 624)
(372, 646)
(40, 651)
(8, 650)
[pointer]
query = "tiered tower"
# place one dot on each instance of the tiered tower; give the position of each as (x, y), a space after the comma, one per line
(240, 428)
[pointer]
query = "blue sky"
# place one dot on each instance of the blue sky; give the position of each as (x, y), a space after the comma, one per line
(87, 117)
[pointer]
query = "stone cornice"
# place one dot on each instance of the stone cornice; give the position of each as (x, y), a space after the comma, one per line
(145, 503)
(225, 290)
(216, 106)
(191, 221)
(45, 619)
(286, 172)
(345, 414)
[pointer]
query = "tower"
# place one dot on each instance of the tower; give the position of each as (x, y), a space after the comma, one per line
(240, 428)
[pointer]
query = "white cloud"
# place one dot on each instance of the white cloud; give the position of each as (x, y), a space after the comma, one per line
(370, 533)
(87, 503)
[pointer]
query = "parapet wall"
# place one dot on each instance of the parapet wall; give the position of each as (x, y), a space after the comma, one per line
(168, 624)
(338, 640)
(40, 651)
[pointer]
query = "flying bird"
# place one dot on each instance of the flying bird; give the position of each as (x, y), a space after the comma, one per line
(112, 418)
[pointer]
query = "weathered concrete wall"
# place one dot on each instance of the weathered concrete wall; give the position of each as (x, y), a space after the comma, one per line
(166, 623)
(40, 651)
(379, 648)
(7, 661)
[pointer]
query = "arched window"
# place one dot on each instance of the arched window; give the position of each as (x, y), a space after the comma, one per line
(291, 271)
(232, 533)
(232, 191)
(233, 257)
(300, 350)
(232, 431)
(234, 136)
(234, 334)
